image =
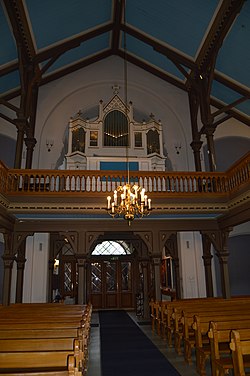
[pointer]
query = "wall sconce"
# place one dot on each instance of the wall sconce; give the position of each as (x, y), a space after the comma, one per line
(177, 147)
(49, 144)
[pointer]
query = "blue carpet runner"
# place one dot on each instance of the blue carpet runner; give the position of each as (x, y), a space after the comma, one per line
(127, 351)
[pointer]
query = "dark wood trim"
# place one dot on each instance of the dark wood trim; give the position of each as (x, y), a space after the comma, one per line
(223, 21)
(117, 19)
(149, 68)
(159, 47)
(75, 67)
(72, 43)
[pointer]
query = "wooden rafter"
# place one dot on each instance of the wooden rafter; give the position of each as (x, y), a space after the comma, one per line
(117, 17)
(65, 46)
(223, 21)
(151, 69)
(160, 47)
(20, 27)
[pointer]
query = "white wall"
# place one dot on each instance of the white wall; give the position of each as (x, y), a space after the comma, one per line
(191, 265)
(36, 269)
(61, 99)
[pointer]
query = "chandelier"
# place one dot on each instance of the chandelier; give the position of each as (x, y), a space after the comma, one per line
(129, 200)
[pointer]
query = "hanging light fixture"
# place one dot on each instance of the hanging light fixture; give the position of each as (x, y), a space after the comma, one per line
(129, 200)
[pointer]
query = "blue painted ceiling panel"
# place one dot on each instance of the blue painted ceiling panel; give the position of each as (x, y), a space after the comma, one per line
(178, 23)
(234, 56)
(8, 50)
(53, 21)
(147, 53)
(86, 49)
(9, 82)
(228, 96)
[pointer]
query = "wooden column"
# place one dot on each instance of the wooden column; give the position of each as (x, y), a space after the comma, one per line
(20, 124)
(207, 258)
(82, 282)
(145, 290)
(50, 280)
(219, 239)
(225, 281)
(7, 274)
(157, 275)
(211, 149)
(81, 253)
(20, 260)
(30, 143)
(196, 144)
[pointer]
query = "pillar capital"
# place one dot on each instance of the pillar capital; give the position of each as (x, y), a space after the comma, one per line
(20, 263)
(30, 142)
(207, 259)
(196, 145)
(8, 261)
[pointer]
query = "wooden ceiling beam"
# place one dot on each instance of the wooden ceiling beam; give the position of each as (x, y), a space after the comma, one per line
(117, 19)
(231, 85)
(149, 68)
(9, 69)
(75, 67)
(20, 27)
(235, 113)
(223, 21)
(68, 45)
(159, 47)
(229, 106)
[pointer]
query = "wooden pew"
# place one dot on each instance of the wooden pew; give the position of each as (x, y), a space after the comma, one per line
(240, 347)
(9, 333)
(201, 327)
(62, 348)
(183, 321)
(38, 344)
(39, 362)
(187, 332)
(172, 313)
(155, 316)
(220, 364)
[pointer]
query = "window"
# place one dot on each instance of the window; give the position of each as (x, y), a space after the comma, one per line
(138, 139)
(153, 142)
(109, 247)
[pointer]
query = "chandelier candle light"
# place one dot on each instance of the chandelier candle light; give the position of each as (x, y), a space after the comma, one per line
(129, 201)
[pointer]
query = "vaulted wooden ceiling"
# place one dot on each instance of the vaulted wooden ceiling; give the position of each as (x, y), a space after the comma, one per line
(200, 46)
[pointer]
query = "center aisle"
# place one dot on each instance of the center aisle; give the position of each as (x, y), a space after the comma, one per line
(126, 350)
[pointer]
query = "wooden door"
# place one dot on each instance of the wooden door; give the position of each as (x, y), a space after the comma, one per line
(111, 284)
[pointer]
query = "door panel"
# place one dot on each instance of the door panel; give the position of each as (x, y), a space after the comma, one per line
(96, 284)
(110, 270)
(126, 284)
(111, 284)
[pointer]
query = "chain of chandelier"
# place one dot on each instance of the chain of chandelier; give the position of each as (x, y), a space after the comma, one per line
(129, 200)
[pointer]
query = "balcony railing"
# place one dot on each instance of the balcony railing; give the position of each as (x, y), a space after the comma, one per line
(56, 182)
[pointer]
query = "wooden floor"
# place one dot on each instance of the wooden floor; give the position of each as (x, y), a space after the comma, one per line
(94, 368)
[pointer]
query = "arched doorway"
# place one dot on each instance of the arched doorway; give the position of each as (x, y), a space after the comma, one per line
(112, 275)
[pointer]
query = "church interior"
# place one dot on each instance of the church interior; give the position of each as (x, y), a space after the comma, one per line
(124, 183)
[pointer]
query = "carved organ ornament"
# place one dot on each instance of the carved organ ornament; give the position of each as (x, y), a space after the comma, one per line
(112, 136)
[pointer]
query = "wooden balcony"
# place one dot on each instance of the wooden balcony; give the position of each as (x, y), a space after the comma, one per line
(84, 192)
